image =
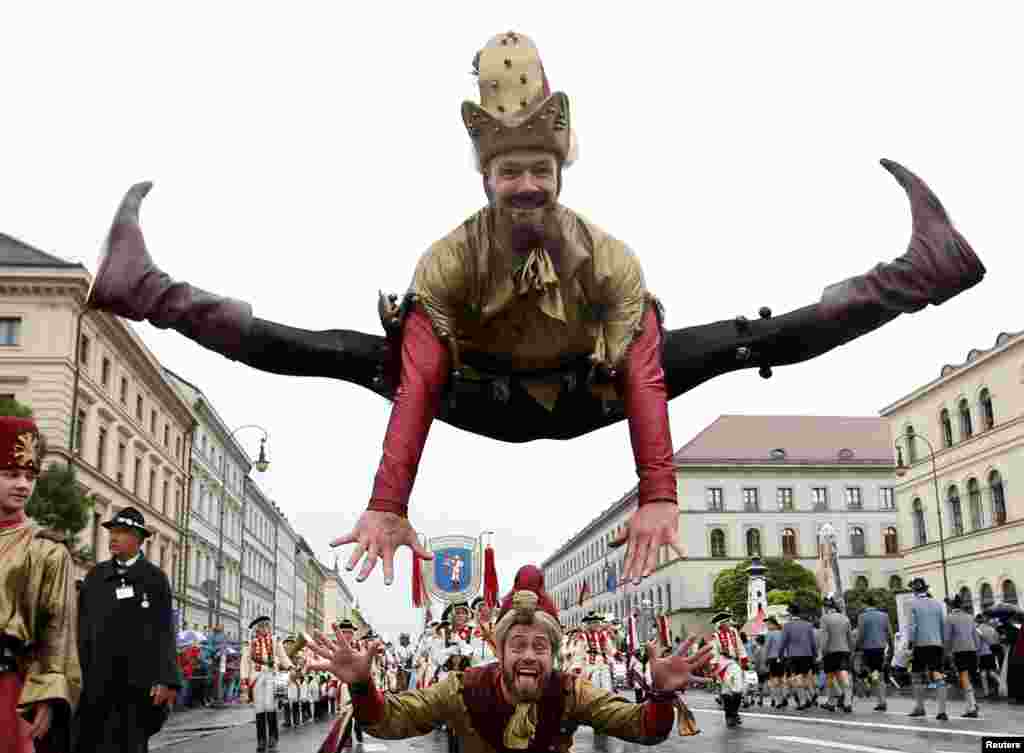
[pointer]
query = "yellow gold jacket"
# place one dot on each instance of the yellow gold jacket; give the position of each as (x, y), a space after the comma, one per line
(474, 708)
(534, 312)
(39, 604)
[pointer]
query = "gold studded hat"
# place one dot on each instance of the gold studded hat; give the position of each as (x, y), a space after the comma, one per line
(21, 444)
(517, 109)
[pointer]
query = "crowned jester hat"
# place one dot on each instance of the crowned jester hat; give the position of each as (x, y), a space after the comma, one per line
(517, 109)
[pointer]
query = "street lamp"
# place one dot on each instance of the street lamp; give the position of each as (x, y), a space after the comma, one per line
(901, 471)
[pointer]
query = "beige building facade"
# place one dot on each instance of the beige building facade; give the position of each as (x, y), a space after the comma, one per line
(99, 397)
(338, 601)
(973, 416)
(748, 485)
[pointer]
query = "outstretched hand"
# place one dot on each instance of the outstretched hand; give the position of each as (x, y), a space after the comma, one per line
(651, 526)
(350, 664)
(379, 535)
(673, 672)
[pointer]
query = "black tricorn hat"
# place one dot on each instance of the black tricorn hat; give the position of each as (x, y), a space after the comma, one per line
(345, 624)
(131, 519)
(257, 621)
(449, 611)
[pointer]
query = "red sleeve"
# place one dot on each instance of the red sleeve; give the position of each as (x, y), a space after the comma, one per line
(646, 399)
(424, 372)
(369, 706)
(658, 718)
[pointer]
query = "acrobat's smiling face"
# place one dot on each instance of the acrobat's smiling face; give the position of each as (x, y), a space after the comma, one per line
(526, 662)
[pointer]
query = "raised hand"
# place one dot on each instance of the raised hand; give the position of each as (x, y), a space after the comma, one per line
(673, 672)
(650, 527)
(380, 534)
(350, 664)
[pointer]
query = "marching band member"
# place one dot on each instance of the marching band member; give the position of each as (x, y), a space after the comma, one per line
(262, 656)
(482, 640)
(729, 663)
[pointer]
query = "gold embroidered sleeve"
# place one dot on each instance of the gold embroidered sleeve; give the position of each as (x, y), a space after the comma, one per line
(441, 282)
(53, 672)
(613, 715)
(623, 295)
(416, 712)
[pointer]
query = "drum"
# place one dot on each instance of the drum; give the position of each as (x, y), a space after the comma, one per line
(281, 686)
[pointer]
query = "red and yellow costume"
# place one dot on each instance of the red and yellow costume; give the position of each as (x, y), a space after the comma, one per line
(729, 663)
(476, 710)
(38, 651)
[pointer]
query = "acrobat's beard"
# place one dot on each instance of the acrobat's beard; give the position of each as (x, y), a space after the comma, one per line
(526, 221)
(525, 680)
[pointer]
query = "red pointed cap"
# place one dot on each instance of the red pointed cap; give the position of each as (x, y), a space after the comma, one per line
(530, 578)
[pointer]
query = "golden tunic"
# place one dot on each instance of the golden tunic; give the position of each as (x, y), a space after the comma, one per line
(534, 311)
(417, 712)
(39, 604)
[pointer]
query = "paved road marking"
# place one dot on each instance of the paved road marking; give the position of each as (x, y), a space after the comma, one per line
(829, 744)
(373, 747)
(877, 725)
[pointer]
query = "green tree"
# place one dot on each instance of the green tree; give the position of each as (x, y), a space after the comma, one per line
(60, 503)
(781, 574)
(11, 407)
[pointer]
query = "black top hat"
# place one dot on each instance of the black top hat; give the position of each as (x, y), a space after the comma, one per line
(449, 610)
(257, 621)
(344, 625)
(917, 585)
(131, 519)
(591, 618)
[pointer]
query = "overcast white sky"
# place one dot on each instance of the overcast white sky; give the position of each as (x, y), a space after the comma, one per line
(304, 157)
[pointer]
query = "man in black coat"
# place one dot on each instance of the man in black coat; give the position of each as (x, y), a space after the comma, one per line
(126, 645)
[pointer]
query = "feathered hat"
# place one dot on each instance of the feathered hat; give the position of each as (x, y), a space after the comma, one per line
(517, 109)
(527, 604)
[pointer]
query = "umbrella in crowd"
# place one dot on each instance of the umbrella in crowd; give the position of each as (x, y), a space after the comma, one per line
(1004, 611)
(190, 636)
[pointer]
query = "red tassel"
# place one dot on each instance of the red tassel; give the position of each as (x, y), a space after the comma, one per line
(417, 582)
(490, 579)
(663, 630)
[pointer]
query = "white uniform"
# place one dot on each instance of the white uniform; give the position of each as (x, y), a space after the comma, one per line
(261, 658)
(598, 666)
(483, 653)
(728, 654)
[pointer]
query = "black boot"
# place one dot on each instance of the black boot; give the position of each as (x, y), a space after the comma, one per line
(261, 733)
(272, 730)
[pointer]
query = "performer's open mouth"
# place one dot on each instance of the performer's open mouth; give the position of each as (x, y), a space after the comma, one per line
(528, 200)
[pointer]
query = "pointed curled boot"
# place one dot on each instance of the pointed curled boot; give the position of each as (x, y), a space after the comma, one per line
(130, 285)
(938, 264)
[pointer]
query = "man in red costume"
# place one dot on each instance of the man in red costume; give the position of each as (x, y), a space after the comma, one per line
(521, 702)
(528, 321)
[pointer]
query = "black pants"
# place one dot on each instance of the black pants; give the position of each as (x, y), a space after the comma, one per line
(120, 722)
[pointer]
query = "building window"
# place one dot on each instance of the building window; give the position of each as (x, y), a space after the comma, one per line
(138, 408)
(166, 497)
(784, 496)
(105, 372)
(988, 416)
(956, 513)
(10, 330)
(101, 449)
(911, 446)
(753, 542)
(137, 477)
(987, 597)
(895, 583)
(819, 496)
(974, 503)
(167, 435)
(920, 531)
(124, 390)
(715, 500)
(152, 488)
(887, 498)
(947, 428)
(177, 448)
(853, 498)
(1009, 592)
(861, 584)
(152, 422)
(788, 543)
(995, 484)
(857, 541)
(717, 542)
(966, 428)
(891, 541)
(121, 460)
(751, 503)
(79, 432)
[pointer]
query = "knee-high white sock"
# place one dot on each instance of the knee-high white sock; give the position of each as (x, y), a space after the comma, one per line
(942, 693)
(972, 704)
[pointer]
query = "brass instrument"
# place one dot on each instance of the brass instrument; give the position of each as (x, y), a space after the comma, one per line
(300, 643)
